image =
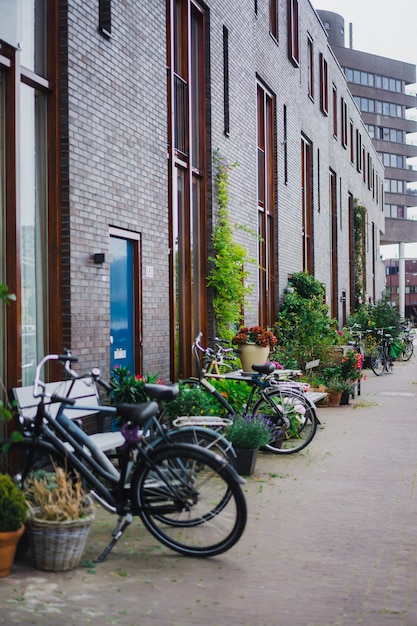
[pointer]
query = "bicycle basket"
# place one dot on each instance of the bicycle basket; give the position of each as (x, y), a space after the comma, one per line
(395, 349)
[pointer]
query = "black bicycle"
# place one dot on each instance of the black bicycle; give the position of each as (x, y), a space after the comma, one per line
(283, 402)
(187, 497)
(382, 360)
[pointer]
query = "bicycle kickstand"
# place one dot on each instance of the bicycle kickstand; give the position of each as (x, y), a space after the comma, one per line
(117, 533)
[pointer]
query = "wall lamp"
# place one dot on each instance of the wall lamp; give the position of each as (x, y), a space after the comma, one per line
(100, 257)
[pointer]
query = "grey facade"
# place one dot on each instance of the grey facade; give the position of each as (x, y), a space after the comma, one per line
(105, 148)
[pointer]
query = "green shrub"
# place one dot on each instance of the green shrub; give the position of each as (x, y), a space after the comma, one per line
(303, 328)
(13, 509)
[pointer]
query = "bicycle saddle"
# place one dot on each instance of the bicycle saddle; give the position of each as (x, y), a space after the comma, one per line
(139, 413)
(161, 392)
(264, 368)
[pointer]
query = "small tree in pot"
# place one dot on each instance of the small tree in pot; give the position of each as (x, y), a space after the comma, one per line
(13, 512)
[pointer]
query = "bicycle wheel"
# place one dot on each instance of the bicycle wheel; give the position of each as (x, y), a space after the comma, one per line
(294, 417)
(190, 500)
(408, 351)
(20, 458)
(378, 360)
(201, 436)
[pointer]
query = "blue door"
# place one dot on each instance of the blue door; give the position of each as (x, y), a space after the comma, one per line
(122, 304)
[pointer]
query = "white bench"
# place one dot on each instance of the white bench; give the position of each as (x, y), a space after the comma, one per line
(84, 392)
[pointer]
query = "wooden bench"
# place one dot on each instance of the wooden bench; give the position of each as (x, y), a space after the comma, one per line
(84, 392)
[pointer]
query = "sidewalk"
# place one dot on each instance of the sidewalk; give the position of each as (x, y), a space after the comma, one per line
(330, 540)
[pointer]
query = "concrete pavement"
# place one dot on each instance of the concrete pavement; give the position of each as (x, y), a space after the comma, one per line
(330, 541)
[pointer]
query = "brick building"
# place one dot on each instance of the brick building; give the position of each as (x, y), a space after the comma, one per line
(110, 115)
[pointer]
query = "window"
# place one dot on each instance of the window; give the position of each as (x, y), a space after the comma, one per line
(28, 147)
(324, 85)
(334, 95)
(394, 186)
(352, 144)
(226, 104)
(293, 32)
(104, 17)
(344, 118)
(266, 202)
(186, 56)
(310, 66)
(358, 151)
(273, 18)
(307, 204)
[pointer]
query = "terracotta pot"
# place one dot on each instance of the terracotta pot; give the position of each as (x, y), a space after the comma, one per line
(8, 544)
(334, 398)
(252, 354)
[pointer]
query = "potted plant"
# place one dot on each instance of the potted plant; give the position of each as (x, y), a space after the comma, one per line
(127, 388)
(247, 435)
(13, 513)
(60, 516)
(335, 386)
(254, 345)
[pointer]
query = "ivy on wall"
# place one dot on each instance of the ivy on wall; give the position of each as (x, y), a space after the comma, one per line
(359, 228)
(227, 274)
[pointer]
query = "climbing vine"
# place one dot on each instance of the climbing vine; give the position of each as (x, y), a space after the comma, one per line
(359, 226)
(227, 274)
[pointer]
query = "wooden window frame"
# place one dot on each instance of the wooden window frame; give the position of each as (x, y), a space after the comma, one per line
(335, 111)
(293, 32)
(274, 19)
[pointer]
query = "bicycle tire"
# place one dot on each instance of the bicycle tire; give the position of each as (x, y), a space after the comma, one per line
(190, 500)
(377, 360)
(23, 457)
(277, 406)
(200, 436)
(408, 351)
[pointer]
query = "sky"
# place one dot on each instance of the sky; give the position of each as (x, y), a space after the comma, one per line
(387, 28)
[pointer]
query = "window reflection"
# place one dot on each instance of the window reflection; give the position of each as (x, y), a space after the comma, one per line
(32, 218)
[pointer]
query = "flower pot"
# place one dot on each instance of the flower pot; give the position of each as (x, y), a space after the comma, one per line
(246, 460)
(334, 398)
(8, 544)
(344, 397)
(252, 354)
(58, 546)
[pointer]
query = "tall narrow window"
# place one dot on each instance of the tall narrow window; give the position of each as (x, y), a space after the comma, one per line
(273, 18)
(226, 107)
(310, 66)
(358, 151)
(324, 85)
(352, 142)
(293, 32)
(187, 170)
(266, 201)
(104, 15)
(285, 145)
(344, 122)
(333, 235)
(335, 121)
(307, 204)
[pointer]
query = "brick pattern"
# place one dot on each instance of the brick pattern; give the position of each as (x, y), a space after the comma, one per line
(114, 157)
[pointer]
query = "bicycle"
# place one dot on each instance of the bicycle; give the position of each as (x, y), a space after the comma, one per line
(382, 360)
(282, 402)
(407, 337)
(357, 344)
(187, 497)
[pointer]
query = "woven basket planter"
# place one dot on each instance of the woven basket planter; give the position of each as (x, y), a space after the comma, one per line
(58, 546)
